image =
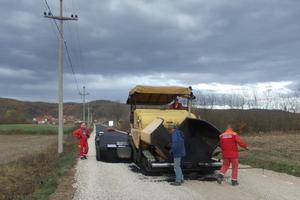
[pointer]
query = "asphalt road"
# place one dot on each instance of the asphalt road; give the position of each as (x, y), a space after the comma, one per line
(110, 181)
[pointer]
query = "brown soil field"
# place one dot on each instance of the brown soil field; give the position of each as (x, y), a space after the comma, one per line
(12, 147)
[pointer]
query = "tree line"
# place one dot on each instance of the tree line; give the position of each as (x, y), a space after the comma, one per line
(252, 99)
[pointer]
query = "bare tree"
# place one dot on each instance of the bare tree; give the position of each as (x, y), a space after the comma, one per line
(211, 100)
(255, 100)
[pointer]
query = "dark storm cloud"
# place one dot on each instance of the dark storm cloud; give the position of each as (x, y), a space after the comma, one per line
(151, 42)
(249, 39)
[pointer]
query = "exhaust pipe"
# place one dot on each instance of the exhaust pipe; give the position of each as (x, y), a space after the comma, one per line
(161, 165)
(214, 164)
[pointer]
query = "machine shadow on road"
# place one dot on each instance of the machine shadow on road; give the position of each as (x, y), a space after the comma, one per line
(167, 176)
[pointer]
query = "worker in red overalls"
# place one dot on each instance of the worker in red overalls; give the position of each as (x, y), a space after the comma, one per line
(82, 134)
(229, 141)
(176, 104)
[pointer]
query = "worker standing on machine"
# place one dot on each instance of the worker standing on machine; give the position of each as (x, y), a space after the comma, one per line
(229, 141)
(178, 152)
(176, 104)
(82, 134)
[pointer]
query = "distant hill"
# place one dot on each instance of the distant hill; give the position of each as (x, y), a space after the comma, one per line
(15, 111)
(245, 121)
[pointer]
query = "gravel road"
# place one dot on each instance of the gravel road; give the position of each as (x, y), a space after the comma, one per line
(110, 181)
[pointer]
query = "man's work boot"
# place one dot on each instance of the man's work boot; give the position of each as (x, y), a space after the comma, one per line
(220, 178)
(175, 183)
(234, 182)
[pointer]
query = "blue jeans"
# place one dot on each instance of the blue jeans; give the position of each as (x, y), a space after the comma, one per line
(177, 169)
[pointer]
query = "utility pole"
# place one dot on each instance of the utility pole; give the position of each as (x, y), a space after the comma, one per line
(83, 102)
(88, 121)
(92, 118)
(61, 18)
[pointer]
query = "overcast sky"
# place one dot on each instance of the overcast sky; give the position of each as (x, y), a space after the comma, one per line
(215, 45)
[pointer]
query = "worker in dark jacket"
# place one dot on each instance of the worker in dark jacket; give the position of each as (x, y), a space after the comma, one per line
(178, 152)
(229, 141)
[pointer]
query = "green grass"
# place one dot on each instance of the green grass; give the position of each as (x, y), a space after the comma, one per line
(9, 129)
(278, 166)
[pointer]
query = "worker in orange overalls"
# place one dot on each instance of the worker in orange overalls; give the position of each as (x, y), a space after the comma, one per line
(229, 141)
(82, 134)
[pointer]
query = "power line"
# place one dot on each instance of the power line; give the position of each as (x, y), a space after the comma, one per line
(73, 7)
(65, 44)
(79, 46)
(71, 65)
(52, 25)
(78, 55)
(83, 66)
(50, 13)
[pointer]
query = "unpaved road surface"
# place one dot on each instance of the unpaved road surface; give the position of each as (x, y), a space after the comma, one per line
(109, 181)
(13, 147)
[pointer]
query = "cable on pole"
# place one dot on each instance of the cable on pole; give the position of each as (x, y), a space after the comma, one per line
(79, 46)
(65, 44)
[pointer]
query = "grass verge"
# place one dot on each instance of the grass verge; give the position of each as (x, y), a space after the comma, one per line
(278, 166)
(33, 129)
(36, 176)
(277, 152)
